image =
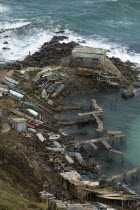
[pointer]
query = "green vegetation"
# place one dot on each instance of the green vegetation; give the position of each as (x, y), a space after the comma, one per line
(5, 207)
(34, 206)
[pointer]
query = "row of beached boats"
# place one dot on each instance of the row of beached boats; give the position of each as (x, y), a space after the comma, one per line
(9, 87)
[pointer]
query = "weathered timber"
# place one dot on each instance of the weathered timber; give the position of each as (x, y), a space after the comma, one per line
(61, 89)
(88, 113)
(113, 134)
(122, 175)
(84, 121)
(96, 106)
(95, 115)
(94, 145)
(107, 145)
(102, 139)
(109, 132)
(40, 104)
(60, 109)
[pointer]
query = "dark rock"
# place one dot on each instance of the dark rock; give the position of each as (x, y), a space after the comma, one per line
(60, 32)
(5, 42)
(128, 94)
(6, 48)
(83, 42)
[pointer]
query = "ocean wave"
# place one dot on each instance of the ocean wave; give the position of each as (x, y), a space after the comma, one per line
(119, 23)
(19, 47)
(99, 1)
(4, 8)
(115, 49)
(111, 0)
(12, 25)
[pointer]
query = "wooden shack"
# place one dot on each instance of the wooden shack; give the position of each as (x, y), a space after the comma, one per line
(19, 124)
(88, 59)
(72, 181)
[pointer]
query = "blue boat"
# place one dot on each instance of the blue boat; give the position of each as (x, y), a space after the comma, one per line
(41, 82)
(16, 89)
(30, 104)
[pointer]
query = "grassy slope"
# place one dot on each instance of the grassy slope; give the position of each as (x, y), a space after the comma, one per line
(11, 199)
(20, 180)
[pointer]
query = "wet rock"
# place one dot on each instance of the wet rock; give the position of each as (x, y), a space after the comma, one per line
(83, 42)
(6, 48)
(60, 32)
(59, 38)
(5, 42)
(128, 94)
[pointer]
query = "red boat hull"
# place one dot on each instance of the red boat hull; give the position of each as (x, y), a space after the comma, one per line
(84, 72)
(30, 124)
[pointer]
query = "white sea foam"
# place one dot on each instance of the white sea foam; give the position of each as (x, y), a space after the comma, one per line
(120, 23)
(111, 0)
(99, 1)
(13, 25)
(4, 8)
(115, 49)
(21, 46)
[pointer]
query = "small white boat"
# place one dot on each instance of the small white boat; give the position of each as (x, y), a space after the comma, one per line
(15, 94)
(11, 80)
(41, 137)
(4, 90)
(1, 94)
(54, 137)
(31, 111)
(44, 94)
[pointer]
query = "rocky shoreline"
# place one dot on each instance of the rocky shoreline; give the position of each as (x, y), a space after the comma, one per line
(52, 53)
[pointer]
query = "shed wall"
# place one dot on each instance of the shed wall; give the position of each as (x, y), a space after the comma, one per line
(19, 126)
(86, 60)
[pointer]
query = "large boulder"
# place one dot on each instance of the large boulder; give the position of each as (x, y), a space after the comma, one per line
(128, 94)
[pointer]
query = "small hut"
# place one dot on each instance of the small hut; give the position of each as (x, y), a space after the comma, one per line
(88, 58)
(19, 124)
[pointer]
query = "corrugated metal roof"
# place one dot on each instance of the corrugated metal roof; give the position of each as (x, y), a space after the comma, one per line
(89, 50)
(19, 120)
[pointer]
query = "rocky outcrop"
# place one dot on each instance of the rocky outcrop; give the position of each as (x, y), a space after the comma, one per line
(50, 53)
(128, 69)
(128, 94)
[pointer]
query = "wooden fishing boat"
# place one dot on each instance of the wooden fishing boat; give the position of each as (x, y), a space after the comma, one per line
(53, 77)
(31, 124)
(51, 89)
(14, 82)
(85, 72)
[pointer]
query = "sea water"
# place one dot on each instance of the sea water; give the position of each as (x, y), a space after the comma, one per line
(118, 115)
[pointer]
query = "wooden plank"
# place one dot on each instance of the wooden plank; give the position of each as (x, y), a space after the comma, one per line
(110, 132)
(75, 122)
(127, 173)
(59, 109)
(96, 106)
(101, 139)
(94, 145)
(105, 143)
(41, 106)
(88, 113)
(113, 134)
(61, 89)
(116, 151)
